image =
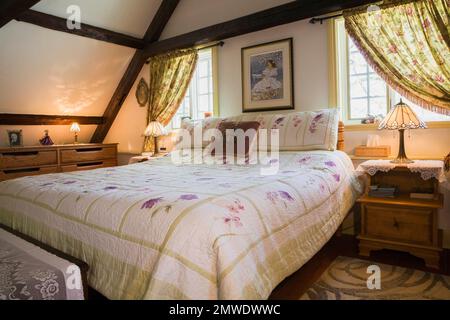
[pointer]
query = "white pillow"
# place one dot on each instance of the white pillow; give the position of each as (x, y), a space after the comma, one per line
(310, 130)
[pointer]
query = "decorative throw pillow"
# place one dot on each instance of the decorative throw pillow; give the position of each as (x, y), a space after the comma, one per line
(246, 137)
(205, 124)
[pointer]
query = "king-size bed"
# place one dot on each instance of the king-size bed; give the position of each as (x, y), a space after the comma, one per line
(161, 230)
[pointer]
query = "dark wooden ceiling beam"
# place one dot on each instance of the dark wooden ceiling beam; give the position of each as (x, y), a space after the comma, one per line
(39, 119)
(153, 33)
(10, 9)
(60, 24)
(286, 13)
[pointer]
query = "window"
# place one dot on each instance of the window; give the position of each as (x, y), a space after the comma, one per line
(199, 97)
(361, 91)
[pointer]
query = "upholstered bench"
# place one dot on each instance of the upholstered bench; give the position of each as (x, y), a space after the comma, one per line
(29, 270)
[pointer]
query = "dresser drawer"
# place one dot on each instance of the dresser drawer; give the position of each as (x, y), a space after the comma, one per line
(89, 165)
(87, 154)
(17, 173)
(20, 159)
(411, 225)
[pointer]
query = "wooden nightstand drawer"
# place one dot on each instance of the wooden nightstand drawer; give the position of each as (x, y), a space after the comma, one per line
(410, 225)
(87, 154)
(18, 173)
(89, 165)
(9, 160)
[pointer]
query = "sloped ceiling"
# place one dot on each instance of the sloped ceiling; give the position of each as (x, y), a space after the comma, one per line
(131, 17)
(49, 72)
(191, 15)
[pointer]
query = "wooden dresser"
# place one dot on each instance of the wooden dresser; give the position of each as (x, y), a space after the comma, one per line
(27, 161)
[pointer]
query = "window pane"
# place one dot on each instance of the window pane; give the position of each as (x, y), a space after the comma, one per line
(358, 86)
(358, 108)
(427, 115)
(377, 86)
(357, 64)
(203, 68)
(198, 98)
(351, 45)
(378, 106)
(203, 86)
(423, 114)
(203, 103)
(176, 121)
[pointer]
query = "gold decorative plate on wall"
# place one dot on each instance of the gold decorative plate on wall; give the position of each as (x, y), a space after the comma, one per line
(142, 92)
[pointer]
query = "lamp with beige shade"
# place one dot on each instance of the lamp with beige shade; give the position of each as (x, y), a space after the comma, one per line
(155, 129)
(75, 128)
(400, 118)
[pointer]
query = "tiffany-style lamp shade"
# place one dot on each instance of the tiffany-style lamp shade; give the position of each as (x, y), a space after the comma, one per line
(400, 118)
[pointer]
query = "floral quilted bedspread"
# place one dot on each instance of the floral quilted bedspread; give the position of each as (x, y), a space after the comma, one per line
(157, 230)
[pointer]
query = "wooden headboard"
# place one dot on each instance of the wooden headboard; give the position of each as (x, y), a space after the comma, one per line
(340, 143)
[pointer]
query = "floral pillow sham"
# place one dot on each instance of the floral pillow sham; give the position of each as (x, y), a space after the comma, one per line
(297, 131)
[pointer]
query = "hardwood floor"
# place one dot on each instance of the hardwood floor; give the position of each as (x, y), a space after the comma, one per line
(293, 287)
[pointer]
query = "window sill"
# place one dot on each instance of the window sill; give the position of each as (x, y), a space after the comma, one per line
(374, 126)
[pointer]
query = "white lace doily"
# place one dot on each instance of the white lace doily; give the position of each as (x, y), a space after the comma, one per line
(427, 168)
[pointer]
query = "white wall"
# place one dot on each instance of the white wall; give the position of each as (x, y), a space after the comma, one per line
(130, 17)
(309, 59)
(129, 126)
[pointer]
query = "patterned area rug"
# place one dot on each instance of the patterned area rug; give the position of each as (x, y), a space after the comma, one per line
(346, 279)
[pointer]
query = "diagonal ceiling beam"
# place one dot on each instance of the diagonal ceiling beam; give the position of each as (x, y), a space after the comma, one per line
(286, 13)
(60, 24)
(153, 33)
(10, 9)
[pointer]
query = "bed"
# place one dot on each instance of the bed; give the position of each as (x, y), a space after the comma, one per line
(157, 230)
(165, 230)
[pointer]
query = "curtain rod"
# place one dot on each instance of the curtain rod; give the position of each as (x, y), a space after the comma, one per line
(208, 46)
(217, 44)
(322, 19)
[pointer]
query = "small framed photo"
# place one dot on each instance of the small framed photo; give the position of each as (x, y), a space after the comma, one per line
(267, 77)
(15, 138)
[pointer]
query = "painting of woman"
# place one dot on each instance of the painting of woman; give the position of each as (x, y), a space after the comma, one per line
(268, 87)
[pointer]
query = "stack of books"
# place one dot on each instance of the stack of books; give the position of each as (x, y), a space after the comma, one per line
(382, 192)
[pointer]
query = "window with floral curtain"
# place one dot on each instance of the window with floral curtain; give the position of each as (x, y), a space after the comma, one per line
(407, 44)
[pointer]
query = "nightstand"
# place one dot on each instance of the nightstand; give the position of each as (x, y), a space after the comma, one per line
(400, 222)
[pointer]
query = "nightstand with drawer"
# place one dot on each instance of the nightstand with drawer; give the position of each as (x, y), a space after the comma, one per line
(27, 161)
(402, 223)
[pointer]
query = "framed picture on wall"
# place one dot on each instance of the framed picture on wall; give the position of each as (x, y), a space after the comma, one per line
(267, 77)
(15, 138)
(142, 93)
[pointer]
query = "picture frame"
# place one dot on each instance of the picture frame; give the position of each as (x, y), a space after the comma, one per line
(142, 93)
(15, 138)
(267, 76)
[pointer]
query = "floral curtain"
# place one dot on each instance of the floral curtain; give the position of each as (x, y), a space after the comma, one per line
(407, 43)
(170, 75)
